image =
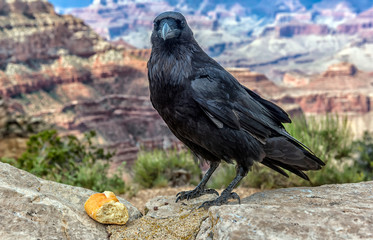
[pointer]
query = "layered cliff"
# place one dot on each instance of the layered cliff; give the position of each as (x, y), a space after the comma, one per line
(342, 89)
(58, 69)
(270, 38)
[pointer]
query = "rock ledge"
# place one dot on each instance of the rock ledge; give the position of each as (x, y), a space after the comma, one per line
(33, 208)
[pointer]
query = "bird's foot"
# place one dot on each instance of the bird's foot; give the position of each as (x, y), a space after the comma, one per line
(223, 199)
(197, 192)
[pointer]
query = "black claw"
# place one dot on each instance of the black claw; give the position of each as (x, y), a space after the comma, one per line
(197, 192)
(235, 196)
(223, 199)
(179, 196)
(211, 191)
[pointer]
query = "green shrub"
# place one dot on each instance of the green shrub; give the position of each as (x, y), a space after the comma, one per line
(363, 149)
(69, 160)
(330, 139)
(159, 168)
(222, 176)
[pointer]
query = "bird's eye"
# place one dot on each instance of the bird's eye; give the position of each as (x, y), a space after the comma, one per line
(156, 24)
(180, 23)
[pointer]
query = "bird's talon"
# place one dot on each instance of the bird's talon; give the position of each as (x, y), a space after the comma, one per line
(211, 191)
(223, 199)
(236, 197)
(197, 192)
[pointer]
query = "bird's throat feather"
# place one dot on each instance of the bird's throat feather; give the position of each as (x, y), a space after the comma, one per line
(172, 66)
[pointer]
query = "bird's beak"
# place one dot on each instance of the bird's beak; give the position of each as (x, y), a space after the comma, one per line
(166, 30)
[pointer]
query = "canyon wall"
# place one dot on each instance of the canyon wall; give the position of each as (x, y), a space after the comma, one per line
(57, 69)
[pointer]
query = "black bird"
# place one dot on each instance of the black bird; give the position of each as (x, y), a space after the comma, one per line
(213, 114)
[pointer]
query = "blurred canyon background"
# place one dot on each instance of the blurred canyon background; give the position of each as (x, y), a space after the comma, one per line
(82, 66)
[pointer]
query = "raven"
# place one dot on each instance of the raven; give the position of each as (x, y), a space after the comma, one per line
(215, 116)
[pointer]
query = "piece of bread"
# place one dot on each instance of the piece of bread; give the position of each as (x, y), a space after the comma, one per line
(105, 208)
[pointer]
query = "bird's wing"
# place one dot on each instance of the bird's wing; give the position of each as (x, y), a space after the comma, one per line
(276, 112)
(226, 102)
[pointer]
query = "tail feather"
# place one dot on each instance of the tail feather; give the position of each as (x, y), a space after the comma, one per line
(287, 167)
(267, 162)
(284, 153)
(306, 150)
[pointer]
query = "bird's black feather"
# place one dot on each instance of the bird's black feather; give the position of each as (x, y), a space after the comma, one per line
(267, 162)
(276, 112)
(287, 167)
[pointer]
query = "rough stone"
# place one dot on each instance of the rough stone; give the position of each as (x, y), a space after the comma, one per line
(165, 219)
(33, 208)
(342, 211)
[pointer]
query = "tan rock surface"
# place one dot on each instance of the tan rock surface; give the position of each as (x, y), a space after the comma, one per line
(340, 211)
(343, 211)
(145, 195)
(33, 208)
(164, 219)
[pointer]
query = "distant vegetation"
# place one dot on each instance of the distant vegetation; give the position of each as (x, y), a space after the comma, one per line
(80, 163)
(160, 168)
(69, 160)
(330, 139)
(364, 155)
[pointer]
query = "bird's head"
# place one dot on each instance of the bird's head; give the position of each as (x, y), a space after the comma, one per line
(171, 27)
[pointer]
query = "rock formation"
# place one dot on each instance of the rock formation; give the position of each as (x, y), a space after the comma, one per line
(57, 69)
(329, 211)
(342, 89)
(295, 79)
(340, 70)
(32, 208)
(31, 30)
(362, 24)
(268, 38)
(293, 29)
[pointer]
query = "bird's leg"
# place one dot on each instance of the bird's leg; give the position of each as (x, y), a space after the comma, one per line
(200, 189)
(227, 193)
